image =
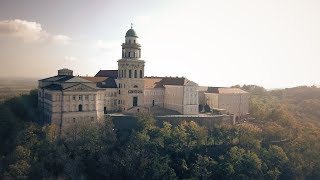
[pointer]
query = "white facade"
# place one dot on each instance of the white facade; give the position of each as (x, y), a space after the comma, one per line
(233, 100)
(66, 99)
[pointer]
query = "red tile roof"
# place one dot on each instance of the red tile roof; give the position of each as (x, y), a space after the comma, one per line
(159, 82)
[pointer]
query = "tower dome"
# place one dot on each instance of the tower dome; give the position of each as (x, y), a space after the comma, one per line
(131, 33)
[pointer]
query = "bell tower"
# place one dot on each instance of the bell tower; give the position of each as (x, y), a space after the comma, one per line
(130, 73)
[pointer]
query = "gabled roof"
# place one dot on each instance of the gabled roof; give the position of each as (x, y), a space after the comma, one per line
(77, 79)
(103, 82)
(159, 82)
(94, 79)
(152, 83)
(67, 86)
(107, 73)
(57, 78)
(80, 86)
(107, 83)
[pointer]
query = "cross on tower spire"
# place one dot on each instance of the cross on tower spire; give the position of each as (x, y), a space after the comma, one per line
(131, 25)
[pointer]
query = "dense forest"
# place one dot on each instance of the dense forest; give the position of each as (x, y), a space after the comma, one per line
(281, 141)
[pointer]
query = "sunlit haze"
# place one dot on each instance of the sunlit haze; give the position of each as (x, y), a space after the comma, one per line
(272, 43)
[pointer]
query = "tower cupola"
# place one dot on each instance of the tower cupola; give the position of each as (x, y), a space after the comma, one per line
(131, 49)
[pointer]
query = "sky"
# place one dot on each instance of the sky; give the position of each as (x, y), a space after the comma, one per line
(271, 43)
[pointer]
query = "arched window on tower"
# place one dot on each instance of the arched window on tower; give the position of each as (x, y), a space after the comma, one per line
(141, 75)
(125, 73)
(135, 74)
(80, 107)
(130, 73)
(128, 54)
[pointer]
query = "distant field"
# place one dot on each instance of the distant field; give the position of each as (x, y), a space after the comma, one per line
(11, 87)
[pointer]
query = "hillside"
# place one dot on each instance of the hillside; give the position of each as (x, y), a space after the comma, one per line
(277, 144)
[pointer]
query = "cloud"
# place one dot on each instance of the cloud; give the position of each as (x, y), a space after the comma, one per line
(29, 32)
(70, 58)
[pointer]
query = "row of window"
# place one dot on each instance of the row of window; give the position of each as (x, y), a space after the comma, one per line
(131, 54)
(134, 41)
(123, 74)
(80, 97)
(154, 92)
(80, 107)
(124, 86)
(111, 94)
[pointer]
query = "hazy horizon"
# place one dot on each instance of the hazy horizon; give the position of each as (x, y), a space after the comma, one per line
(274, 44)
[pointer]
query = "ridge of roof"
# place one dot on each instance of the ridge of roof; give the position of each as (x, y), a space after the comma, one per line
(107, 73)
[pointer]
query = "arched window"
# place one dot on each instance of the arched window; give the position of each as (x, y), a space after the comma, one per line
(125, 73)
(130, 73)
(141, 74)
(135, 86)
(80, 107)
(135, 74)
(128, 54)
(134, 54)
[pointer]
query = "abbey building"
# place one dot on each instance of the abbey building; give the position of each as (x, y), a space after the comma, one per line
(65, 98)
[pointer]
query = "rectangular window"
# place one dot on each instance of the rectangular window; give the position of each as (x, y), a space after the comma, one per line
(135, 74)
(135, 101)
